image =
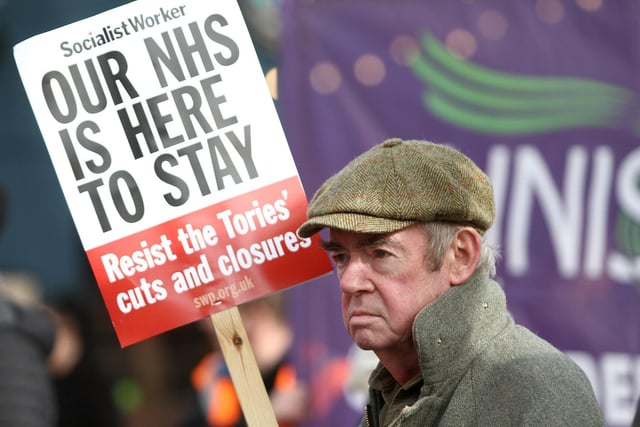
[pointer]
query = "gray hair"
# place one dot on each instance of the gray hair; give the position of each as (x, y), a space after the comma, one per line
(439, 237)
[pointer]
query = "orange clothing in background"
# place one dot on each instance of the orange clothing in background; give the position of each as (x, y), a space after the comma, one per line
(217, 395)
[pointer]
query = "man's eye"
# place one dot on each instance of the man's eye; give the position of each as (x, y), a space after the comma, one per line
(381, 253)
(339, 258)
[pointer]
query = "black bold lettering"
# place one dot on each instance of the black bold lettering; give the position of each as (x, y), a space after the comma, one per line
(161, 120)
(112, 76)
(244, 150)
(131, 187)
(101, 98)
(70, 150)
(179, 97)
(168, 58)
(215, 102)
(68, 101)
(234, 51)
(143, 128)
(171, 179)
(94, 147)
(92, 188)
(189, 50)
(191, 152)
(217, 150)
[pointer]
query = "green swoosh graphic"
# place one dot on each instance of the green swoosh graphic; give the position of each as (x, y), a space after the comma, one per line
(512, 124)
(497, 79)
(483, 100)
(493, 96)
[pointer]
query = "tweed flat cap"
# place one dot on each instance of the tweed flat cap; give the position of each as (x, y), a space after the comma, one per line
(398, 183)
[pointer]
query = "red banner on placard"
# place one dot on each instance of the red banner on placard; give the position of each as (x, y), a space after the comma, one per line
(207, 261)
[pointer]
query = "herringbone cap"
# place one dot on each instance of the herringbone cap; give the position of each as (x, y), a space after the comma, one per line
(398, 183)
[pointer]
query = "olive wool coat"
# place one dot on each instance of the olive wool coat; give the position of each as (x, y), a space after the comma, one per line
(481, 369)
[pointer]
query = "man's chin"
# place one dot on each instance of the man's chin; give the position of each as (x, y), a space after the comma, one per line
(364, 340)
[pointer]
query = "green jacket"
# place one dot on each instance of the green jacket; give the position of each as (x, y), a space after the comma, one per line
(481, 369)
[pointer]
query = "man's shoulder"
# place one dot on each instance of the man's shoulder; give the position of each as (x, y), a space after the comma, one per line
(523, 377)
(520, 359)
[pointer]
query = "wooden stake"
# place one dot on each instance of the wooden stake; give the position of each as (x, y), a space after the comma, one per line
(243, 368)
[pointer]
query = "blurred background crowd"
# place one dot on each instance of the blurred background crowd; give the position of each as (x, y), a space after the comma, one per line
(543, 94)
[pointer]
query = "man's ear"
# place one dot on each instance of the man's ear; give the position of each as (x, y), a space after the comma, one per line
(465, 252)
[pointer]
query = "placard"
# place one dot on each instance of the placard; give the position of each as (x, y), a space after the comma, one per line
(172, 160)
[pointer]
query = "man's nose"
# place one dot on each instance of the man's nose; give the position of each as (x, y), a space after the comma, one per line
(356, 277)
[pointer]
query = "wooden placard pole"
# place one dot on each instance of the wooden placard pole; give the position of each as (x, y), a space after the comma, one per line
(243, 368)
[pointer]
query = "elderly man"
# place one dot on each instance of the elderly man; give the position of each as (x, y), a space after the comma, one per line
(406, 221)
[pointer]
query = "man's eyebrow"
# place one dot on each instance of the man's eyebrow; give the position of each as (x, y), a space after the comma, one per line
(375, 240)
(369, 240)
(330, 246)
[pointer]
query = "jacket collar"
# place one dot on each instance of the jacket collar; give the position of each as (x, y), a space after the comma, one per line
(450, 331)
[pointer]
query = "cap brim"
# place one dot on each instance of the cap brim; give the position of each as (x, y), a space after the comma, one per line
(357, 223)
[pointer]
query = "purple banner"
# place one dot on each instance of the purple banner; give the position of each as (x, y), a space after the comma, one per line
(544, 96)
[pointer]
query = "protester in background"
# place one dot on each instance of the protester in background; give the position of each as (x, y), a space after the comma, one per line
(27, 334)
(271, 339)
(83, 389)
(406, 222)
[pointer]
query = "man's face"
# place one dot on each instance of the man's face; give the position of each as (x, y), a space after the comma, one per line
(384, 282)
